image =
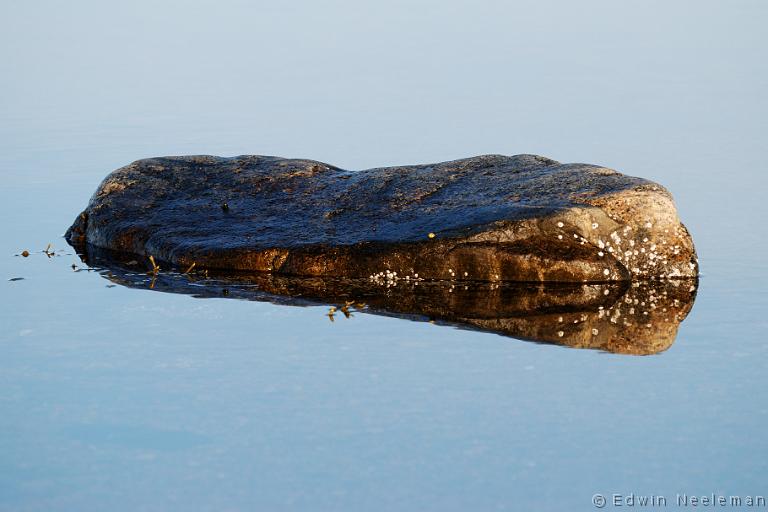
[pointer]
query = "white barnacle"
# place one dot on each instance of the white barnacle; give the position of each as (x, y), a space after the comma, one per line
(560, 334)
(606, 272)
(559, 237)
(594, 332)
(560, 224)
(594, 225)
(648, 225)
(601, 253)
(600, 244)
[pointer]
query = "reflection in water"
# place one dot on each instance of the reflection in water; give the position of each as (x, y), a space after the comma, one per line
(629, 318)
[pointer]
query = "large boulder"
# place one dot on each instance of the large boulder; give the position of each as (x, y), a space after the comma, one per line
(487, 218)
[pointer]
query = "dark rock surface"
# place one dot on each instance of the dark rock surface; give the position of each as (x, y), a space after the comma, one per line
(636, 318)
(488, 218)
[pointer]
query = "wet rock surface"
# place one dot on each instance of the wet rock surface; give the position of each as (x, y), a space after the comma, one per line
(638, 318)
(488, 218)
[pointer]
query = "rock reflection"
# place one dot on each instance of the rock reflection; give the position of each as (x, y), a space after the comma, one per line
(637, 318)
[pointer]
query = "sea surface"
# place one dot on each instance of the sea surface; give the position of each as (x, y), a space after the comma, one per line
(128, 398)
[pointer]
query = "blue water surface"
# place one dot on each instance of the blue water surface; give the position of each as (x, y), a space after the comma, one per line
(114, 398)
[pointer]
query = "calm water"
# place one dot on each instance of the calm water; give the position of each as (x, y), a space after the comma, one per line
(114, 398)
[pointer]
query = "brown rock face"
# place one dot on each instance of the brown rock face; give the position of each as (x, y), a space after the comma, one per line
(488, 218)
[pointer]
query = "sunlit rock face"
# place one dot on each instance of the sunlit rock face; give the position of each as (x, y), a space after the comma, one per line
(488, 218)
(638, 318)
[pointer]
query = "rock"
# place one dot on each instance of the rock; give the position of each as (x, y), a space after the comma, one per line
(487, 218)
(636, 318)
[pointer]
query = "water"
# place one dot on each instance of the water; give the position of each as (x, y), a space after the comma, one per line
(124, 398)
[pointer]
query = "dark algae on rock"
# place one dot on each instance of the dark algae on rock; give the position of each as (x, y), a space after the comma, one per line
(489, 218)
